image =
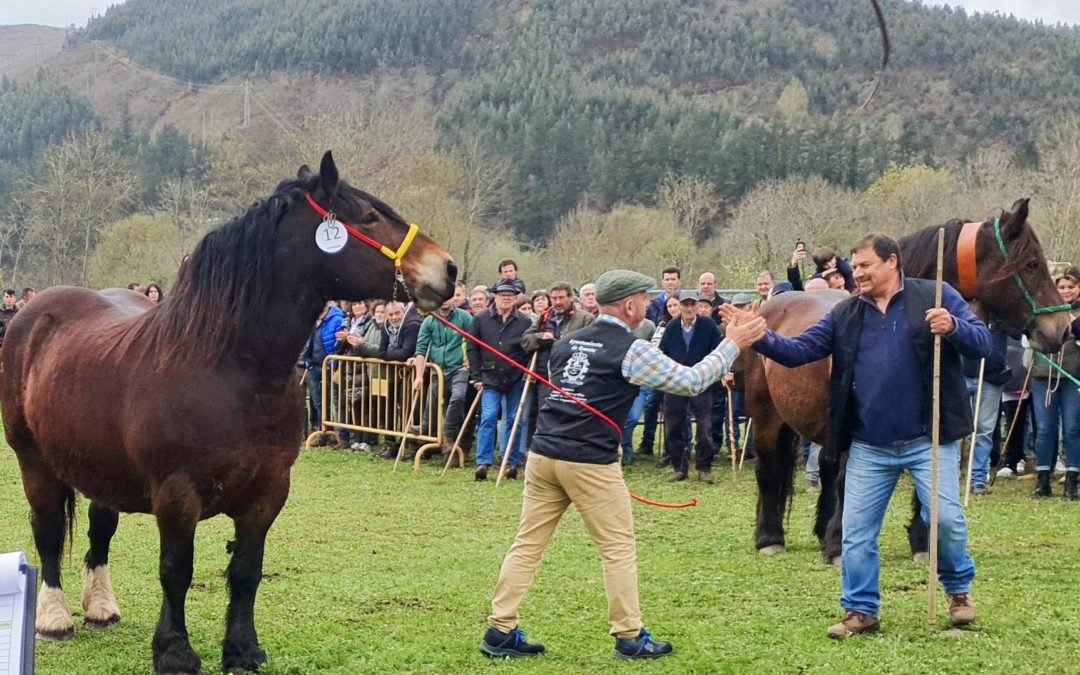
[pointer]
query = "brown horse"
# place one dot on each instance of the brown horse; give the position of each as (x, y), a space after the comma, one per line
(788, 402)
(190, 408)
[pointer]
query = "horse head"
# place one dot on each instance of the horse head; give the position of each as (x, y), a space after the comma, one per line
(360, 247)
(1016, 286)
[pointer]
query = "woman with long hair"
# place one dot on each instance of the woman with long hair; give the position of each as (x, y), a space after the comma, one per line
(651, 413)
(154, 292)
(1057, 400)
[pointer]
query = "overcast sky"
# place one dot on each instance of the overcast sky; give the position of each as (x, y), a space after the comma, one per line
(65, 12)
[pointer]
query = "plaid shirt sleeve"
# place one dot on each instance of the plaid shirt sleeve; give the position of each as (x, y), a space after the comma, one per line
(646, 366)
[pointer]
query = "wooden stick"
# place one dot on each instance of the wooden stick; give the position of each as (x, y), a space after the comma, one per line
(974, 432)
(745, 440)
(935, 441)
(454, 451)
(408, 421)
(517, 421)
(731, 431)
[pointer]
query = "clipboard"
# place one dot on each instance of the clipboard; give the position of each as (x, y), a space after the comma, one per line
(18, 607)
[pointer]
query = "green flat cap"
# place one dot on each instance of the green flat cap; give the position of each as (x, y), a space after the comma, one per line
(742, 299)
(617, 284)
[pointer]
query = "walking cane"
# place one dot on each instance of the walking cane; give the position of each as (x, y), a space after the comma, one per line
(745, 440)
(517, 420)
(974, 432)
(461, 432)
(408, 421)
(731, 430)
(1012, 424)
(935, 447)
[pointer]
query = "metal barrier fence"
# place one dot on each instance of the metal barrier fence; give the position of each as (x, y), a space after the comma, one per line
(364, 395)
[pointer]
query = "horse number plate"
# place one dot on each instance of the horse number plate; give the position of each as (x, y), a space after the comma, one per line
(331, 236)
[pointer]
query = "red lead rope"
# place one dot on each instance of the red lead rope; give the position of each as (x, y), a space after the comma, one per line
(575, 399)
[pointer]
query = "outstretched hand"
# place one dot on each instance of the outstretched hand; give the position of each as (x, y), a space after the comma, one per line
(744, 327)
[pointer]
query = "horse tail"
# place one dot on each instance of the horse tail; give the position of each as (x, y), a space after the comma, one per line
(69, 518)
(786, 446)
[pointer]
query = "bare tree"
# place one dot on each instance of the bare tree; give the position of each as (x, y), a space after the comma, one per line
(84, 186)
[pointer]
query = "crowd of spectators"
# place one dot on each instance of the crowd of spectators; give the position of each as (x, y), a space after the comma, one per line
(685, 324)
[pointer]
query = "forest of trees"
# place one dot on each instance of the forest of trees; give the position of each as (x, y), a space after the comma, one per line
(598, 100)
(546, 118)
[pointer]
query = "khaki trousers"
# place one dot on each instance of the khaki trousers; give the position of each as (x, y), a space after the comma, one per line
(603, 501)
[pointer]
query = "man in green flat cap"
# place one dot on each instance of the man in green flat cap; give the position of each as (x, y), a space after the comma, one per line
(574, 458)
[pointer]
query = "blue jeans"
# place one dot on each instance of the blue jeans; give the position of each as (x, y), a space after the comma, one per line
(986, 425)
(872, 473)
(1062, 414)
(314, 387)
(636, 408)
(490, 403)
(813, 463)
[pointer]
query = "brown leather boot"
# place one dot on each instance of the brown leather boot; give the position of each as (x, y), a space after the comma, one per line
(853, 623)
(705, 477)
(679, 476)
(961, 611)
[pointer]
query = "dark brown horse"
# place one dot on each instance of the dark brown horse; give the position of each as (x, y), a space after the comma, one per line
(190, 408)
(787, 402)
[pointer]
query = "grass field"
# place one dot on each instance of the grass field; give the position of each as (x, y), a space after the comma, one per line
(368, 571)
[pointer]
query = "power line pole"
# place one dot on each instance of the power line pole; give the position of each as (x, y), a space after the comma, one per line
(247, 103)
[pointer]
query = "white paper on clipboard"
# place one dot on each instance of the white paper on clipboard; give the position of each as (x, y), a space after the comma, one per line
(12, 612)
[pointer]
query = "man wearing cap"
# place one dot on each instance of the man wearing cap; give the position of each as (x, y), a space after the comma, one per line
(574, 459)
(689, 342)
(501, 327)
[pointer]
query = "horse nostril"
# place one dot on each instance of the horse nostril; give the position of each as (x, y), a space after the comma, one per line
(451, 270)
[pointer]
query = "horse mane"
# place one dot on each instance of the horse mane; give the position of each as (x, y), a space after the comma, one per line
(919, 249)
(223, 285)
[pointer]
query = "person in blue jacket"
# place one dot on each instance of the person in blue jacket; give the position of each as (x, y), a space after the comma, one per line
(881, 416)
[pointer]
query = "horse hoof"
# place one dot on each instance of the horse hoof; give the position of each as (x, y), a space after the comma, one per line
(55, 636)
(772, 549)
(835, 561)
(94, 624)
(923, 558)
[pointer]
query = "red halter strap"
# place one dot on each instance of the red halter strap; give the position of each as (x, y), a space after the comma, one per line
(396, 256)
(575, 399)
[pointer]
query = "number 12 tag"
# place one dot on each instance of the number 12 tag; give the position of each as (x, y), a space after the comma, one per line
(331, 236)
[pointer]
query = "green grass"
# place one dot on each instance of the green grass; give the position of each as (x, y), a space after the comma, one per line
(368, 571)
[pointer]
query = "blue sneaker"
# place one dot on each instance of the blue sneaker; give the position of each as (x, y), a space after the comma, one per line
(513, 645)
(641, 647)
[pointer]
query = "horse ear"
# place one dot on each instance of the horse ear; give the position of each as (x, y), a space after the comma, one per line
(328, 175)
(304, 173)
(1015, 219)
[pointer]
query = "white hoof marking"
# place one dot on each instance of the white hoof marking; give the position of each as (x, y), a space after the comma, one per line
(98, 601)
(53, 615)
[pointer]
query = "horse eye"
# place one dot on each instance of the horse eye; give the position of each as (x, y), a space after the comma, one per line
(368, 217)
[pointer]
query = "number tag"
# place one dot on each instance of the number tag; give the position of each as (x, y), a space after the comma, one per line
(331, 236)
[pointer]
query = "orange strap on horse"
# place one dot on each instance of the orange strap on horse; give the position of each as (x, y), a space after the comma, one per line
(966, 270)
(539, 378)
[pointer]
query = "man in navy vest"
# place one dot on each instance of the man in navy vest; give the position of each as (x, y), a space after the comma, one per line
(574, 458)
(881, 412)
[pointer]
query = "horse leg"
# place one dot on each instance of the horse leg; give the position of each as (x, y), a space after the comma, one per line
(52, 506)
(775, 470)
(177, 508)
(241, 651)
(832, 545)
(917, 532)
(827, 505)
(98, 601)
